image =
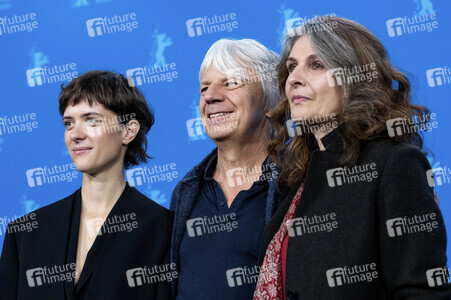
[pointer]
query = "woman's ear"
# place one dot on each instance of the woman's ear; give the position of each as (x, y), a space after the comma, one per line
(130, 131)
(268, 114)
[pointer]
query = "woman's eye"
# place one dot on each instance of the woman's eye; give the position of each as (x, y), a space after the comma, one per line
(92, 122)
(67, 124)
(317, 66)
(291, 67)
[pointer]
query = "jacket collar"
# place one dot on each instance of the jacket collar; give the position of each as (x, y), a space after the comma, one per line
(199, 169)
(334, 140)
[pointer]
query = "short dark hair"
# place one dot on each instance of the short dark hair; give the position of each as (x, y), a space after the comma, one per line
(113, 91)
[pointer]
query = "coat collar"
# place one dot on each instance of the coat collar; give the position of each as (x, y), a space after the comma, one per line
(334, 140)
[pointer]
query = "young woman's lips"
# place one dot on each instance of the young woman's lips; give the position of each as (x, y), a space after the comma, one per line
(299, 99)
(80, 151)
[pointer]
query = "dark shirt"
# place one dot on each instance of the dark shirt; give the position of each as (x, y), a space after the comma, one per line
(219, 254)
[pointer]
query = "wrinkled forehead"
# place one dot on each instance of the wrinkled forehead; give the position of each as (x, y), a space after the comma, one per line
(225, 64)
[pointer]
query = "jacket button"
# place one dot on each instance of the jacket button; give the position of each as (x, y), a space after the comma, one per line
(291, 294)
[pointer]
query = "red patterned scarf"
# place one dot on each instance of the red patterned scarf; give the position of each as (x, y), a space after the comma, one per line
(269, 284)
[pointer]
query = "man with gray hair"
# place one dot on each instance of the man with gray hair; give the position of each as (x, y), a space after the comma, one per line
(223, 204)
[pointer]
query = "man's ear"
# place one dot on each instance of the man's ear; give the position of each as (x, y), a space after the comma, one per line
(130, 131)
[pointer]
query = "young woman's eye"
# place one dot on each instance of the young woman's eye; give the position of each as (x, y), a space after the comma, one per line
(67, 124)
(92, 121)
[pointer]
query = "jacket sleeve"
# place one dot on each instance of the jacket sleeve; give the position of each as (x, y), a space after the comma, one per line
(9, 267)
(412, 236)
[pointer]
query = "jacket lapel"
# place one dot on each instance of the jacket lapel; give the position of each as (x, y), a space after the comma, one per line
(100, 244)
(56, 238)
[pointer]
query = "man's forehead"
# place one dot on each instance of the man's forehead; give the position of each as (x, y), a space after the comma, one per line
(213, 74)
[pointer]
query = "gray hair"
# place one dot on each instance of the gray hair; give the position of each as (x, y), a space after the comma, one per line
(325, 34)
(229, 56)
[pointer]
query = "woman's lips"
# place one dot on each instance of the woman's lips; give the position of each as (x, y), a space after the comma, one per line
(79, 151)
(299, 99)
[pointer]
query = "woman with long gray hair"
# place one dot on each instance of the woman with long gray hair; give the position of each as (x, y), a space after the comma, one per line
(360, 220)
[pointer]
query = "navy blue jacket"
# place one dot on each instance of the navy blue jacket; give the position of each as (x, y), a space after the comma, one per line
(185, 195)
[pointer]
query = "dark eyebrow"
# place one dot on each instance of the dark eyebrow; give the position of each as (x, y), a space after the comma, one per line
(205, 83)
(311, 57)
(308, 59)
(83, 115)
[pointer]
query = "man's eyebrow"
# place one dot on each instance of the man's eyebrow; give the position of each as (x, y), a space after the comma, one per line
(83, 115)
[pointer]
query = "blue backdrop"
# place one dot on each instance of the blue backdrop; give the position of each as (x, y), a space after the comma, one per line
(160, 47)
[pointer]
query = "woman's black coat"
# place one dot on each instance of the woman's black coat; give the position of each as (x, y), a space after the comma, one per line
(106, 273)
(367, 232)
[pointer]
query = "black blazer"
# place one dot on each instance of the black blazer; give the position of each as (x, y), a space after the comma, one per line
(365, 233)
(39, 264)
